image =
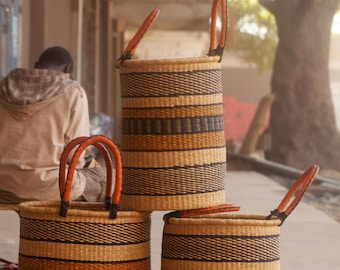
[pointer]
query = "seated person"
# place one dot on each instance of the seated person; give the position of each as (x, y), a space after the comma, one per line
(41, 111)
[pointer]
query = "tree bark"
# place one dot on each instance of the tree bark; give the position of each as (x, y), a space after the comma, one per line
(302, 125)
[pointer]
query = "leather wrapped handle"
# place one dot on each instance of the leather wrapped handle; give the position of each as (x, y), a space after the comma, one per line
(63, 161)
(201, 211)
(214, 49)
(132, 45)
(103, 144)
(295, 194)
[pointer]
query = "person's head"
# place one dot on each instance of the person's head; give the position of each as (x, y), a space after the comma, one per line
(55, 58)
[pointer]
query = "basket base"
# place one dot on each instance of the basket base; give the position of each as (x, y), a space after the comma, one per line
(175, 202)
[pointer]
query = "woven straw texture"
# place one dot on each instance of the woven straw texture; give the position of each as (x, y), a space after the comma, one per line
(86, 239)
(221, 241)
(173, 147)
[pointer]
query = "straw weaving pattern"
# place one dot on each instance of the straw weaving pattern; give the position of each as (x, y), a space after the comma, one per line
(173, 143)
(84, 232)
(176, 142)
(197, 179)
(166, 84)
(221, 241)
(183, 125)
(219, 248)
(85, 239)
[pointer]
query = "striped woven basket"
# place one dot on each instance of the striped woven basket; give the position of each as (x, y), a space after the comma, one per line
(82, 235)
(228, 242)
(173, 146)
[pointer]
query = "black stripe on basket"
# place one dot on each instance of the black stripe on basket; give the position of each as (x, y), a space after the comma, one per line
(221, 248)
(177, 107)
(164, 126)
(167, 84)
(84, 233)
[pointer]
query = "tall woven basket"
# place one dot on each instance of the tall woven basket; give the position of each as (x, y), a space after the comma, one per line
(173, 146)
(228, 241)
(82, 235)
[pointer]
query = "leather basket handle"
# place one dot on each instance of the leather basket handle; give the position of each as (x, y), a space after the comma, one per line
(131, 47)
(103, 144)
(295, 194)
(214, 49)
(63, 161)
(201, 211)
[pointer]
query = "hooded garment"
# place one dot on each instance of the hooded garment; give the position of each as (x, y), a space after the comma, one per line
(41, 111)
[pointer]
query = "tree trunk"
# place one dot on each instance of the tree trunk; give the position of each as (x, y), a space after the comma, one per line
(302, 124)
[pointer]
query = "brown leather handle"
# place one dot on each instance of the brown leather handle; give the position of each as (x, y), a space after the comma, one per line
(103, 144)
(295, 194)
(201, 211)
(63, 161)
(215, 49)
(108, 161)
(131, 47)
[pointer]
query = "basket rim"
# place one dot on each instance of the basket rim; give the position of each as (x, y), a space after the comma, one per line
(76, 208)
(226, 219)
(169, 61)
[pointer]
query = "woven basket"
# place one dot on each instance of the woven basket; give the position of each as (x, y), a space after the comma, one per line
(224, 241)
(82, 235)
(173, 146)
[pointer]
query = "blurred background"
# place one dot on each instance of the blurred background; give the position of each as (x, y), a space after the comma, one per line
(97, 31)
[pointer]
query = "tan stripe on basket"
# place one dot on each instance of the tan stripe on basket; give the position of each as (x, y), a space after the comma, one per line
(224, 224)
(171, 142)
(207, 110)
(83, 252)
(172, 159)
(171, 65)
(49, 210)
(157, 102)
(191, 265)
(174, 202)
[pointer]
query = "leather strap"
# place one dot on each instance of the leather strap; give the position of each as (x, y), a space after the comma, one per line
(103, 144)
(215, 49)
(295, 194)
(132, 45)
(201, 211)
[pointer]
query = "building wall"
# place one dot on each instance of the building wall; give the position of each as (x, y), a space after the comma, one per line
(87, 37)
(45, 24)
(9, 35)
